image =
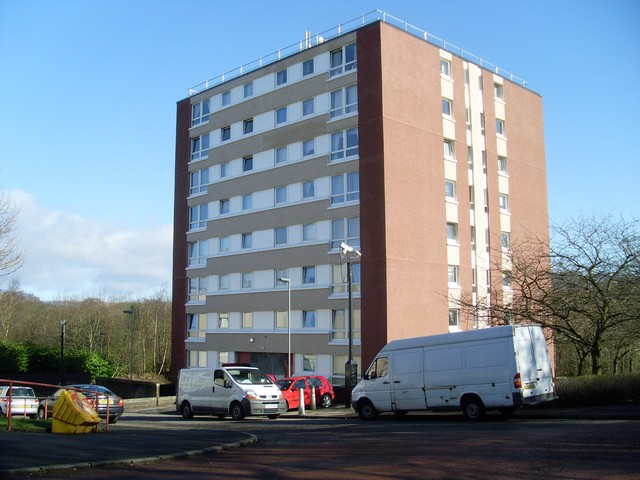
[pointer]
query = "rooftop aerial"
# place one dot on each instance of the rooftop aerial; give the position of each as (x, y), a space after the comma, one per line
(311, 40)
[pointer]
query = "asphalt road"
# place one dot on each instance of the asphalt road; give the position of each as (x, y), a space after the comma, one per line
(344, 447)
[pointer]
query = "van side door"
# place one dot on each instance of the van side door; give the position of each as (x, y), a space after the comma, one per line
(222, 391)
(408, 392)
(378, 384)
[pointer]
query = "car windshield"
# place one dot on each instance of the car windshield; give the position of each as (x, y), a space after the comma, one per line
(253, 377)
(284, 384)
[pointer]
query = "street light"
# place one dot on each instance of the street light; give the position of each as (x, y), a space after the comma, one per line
(63, 324)
(288, 282)
(131, 312)
(351, 367)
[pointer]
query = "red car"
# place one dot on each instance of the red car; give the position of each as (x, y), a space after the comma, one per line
(291, 390)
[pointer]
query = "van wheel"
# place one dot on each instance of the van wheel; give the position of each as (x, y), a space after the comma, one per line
(473, 408)
(366, 410)
(186, 411)
(237, 413)
(325, 401)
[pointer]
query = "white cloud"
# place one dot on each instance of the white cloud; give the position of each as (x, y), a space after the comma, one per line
(71, 256)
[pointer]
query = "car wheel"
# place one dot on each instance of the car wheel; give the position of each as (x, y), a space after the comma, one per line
(186, 410)
(237, 413)
(366, 410)
(41, 413)
(473, 408)
(325, 401)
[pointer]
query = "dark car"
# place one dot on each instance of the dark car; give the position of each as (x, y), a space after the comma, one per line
(291, 390)
(106, 400)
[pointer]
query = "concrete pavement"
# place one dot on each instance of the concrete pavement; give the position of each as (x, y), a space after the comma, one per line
(23, 453)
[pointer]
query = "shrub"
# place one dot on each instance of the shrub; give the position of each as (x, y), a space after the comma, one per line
(14, 358)
(598, 389)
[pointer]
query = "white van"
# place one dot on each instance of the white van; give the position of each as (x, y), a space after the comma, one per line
(477, 370)
(235, 391)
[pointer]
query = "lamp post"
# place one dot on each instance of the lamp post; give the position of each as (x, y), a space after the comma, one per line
(288, 282)
(350, 367)
(132, 312)
(63, 324)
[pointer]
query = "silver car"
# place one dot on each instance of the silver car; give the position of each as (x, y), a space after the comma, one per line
(107, 401)
(23, 401)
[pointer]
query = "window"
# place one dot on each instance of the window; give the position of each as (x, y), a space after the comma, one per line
(345, 188)
(224, 169)
(197, 358)
(505, 238)
(247, 280)
(198, 216)
(281, 195)
(309, 232)
(307, 107)
(247, 240)
(199, 181)
(281, 319)
(308, 189)
(281, 155)
(308, 275)
(281, 77)
(344, 144)
(200, 147)
(224, 244)
(247, 201)
(339, 278)
(224, 206)
(225, 133)
(309, 363)
(500, 127)
(247, 126)
(281, 236)
(198, 288)
(504, 202)
(200, 112)
(340, 327)
(447, 107)
(445, 67)
(345, 230)
(454, 278)
(502, 164)
(452, 232)
(308, 147)
(247, 320)
(226, 98)
(281, 115)
(344, 101)
(248, 89)
(449, 149)
(223, 282)
(247, 163)
(507, 280)
(309, 318)
(198, 252)
(223, 320)
(450, 189)
(343, 60)
(454, 317)
(197, 323)
(307, 67)
(499, 91)
(281, 273)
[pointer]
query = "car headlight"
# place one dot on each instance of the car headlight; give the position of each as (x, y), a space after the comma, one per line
(250, 394)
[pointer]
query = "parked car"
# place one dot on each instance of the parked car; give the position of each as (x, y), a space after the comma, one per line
(115, 402)
(291, 390)
(23, 401)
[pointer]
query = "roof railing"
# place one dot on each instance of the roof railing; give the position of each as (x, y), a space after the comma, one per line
(365, 19)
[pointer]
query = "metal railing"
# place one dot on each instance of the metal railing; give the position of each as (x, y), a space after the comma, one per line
(365, 19)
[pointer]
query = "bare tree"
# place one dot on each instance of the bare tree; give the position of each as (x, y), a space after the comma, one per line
(584, 286)
(11, 258)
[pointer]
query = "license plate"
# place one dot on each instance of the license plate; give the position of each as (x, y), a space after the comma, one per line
(273, 406)
(530, 386)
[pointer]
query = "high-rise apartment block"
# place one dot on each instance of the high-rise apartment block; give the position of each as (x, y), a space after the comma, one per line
(423, 158)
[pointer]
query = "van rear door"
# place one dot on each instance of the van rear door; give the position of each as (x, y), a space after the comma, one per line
(408, 391)
(533, 361)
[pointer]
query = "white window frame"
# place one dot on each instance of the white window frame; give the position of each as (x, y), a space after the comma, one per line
(309, 275)
(309, 319)
(344, 101)
(279, 231)
(345, 230)
(503, 165)
(454, 317)
(450, 190)
(345, 144)
(198, 253)
(305, 70)
(445, 67)
(449, 149)
(200, 147)
(247, 90)
(343, 60)
(247, 126)
(280, 195)
(453, 275)
(452, 233)
(247, 163)
(198, 216)
(345, 188)
(504, 202)
(281, 115)
(281, 77)
(498, 90)
(500, 127)
(199, 181)
(247, 241)
(308, 107)
(247, 201)
(447, 107)
(278, 152)
(247, 280)
(200, 112)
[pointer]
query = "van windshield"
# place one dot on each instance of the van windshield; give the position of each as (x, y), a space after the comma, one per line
(253, 377)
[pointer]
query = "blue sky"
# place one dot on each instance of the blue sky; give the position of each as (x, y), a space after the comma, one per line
(87, 111)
